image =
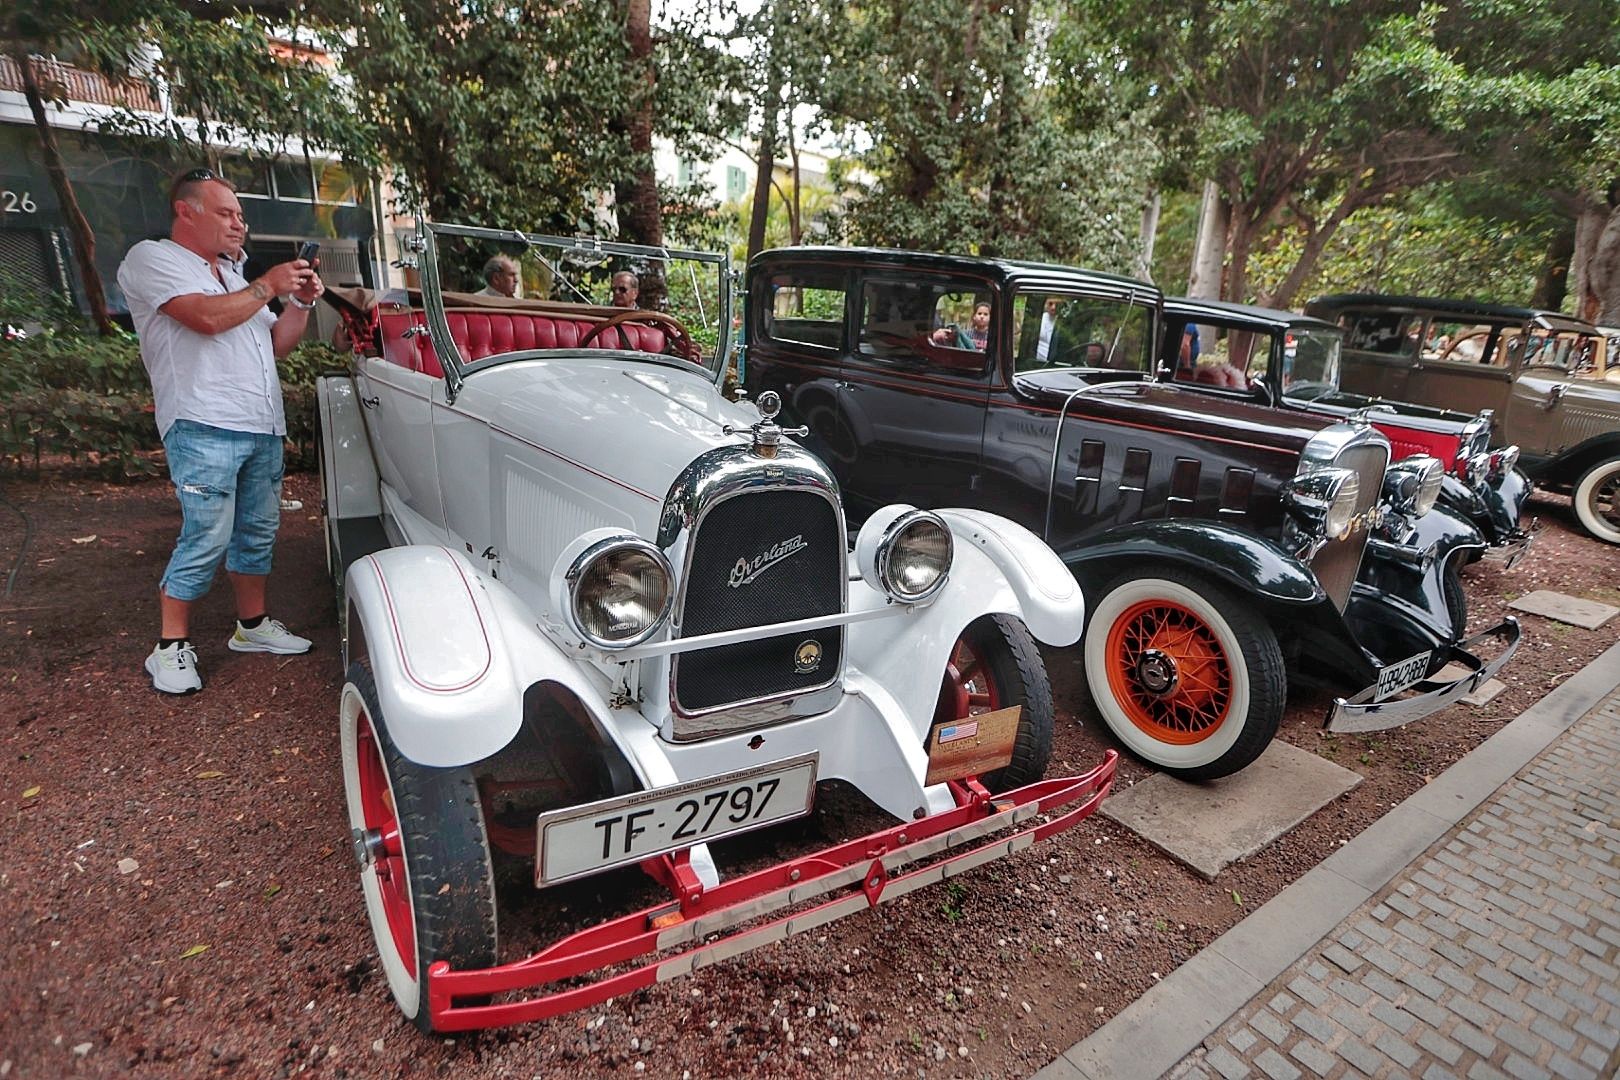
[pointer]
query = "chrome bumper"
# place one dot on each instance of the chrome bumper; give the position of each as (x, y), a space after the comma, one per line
(1513, 549)
(1361, 713)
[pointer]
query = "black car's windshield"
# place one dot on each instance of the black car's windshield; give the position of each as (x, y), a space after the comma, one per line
(1310, 364)
(1054, 330)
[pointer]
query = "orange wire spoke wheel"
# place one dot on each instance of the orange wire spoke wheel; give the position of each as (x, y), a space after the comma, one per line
(1168, 671)
(968, 688)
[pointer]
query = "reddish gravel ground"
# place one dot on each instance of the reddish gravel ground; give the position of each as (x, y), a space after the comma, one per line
(177, 898)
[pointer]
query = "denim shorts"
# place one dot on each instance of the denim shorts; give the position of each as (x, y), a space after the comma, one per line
(229, 484)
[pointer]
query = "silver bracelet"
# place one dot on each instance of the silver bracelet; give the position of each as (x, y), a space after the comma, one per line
(299, 304)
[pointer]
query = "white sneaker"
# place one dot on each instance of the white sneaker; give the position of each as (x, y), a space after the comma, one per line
(269, 636)
(174, 669)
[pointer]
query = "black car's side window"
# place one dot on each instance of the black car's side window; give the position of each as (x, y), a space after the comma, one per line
(1222, 356)
(1052, 330)
(936, 325)
(805, 307)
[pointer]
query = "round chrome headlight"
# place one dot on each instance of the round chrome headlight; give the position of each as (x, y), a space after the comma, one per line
(1325, 498)
(1342, 510)
(1413, 484)
(1504, 461)
(914, 556)
(619, 592)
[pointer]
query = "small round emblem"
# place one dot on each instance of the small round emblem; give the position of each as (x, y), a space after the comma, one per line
(807, 657)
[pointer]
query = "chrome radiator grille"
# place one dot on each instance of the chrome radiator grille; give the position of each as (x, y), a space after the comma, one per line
(1339, 561)
(756, 559)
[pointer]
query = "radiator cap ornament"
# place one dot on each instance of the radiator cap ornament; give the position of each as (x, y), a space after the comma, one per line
(767, 434)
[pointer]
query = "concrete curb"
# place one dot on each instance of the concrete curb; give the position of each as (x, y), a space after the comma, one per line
(1170, 1021)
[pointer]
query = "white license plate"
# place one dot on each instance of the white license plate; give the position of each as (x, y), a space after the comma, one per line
(585, 839)
(1397, 677)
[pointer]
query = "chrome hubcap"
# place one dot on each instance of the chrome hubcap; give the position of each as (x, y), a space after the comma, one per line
(1157, 672)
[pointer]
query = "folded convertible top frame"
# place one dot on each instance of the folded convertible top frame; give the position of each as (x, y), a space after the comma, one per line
(856, 875)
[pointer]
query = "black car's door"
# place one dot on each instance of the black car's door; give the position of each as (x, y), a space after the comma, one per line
(914, 388)
(797, 337)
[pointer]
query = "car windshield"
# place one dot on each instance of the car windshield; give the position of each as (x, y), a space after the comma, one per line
(1054, 330)
(506, 292)
(1310, 365)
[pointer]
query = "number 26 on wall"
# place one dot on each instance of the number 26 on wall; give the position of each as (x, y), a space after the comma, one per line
(17, 202)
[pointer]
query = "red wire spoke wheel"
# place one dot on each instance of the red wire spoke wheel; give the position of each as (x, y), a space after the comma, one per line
(993, 665)
(1185, 675)
(418, 835)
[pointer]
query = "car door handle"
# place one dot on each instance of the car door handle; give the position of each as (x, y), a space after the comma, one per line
(371, 402)
(1555, 395)
(848, 386)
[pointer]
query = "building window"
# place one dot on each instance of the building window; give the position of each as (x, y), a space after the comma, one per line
(335, 184)
(292, 179)
(736, 182)
(683, 172)
(251, 177)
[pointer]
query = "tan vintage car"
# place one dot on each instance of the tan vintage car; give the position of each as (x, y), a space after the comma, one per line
(1547, 379)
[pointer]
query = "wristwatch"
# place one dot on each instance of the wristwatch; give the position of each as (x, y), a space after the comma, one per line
(299, 304)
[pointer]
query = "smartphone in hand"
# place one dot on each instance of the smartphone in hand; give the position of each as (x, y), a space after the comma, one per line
(308, 250)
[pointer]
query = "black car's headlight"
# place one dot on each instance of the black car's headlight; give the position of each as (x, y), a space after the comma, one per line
(905, 552)
(1413, 484)
(619, 592)
(1326, 499)
(1503, 461)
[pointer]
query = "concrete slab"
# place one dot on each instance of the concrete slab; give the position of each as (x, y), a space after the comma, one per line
(1481, 696)
(1211, 825)
(1588, 614)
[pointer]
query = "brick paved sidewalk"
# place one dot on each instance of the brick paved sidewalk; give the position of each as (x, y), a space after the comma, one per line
(1495, 954)
(1469, 932)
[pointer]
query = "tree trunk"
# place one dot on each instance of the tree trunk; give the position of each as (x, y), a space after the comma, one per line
(766, 162)
(84, 239)
(1589, 222)
(1149, 232)
(1552, 284)
(1604, 271)
(1209, 251)
(1010, 103)
(641, 217)
(1240, 241)
(1283, 297)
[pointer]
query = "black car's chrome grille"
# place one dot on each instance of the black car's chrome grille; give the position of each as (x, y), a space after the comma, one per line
(1339, 561)
(757, 559)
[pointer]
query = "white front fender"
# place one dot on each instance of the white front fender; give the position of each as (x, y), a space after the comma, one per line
(452, 654)
(1000, 569)
(1049, 598)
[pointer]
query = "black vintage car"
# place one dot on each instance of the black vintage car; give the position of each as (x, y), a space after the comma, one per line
(1292, 361)
(1221, 544)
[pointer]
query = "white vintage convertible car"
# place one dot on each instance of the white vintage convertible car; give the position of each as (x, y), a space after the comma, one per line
(596, 616)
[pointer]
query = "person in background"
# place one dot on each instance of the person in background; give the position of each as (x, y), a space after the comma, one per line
(210, 348)
(501, 278)
(1049, 314)
(978, 331)
(626, 289)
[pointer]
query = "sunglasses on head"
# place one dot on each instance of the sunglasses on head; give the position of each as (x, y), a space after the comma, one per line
(198, 174)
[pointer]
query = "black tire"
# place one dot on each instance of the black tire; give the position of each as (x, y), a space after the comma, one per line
(1597, 500)
(1006, 669)
(1186, 675)
(443, 854)
(1456, 600)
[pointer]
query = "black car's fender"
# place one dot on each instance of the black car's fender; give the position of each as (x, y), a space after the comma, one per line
(1238, 559)
(1398, 604)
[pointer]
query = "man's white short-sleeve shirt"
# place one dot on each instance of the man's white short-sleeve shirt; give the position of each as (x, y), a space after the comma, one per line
(226, 380)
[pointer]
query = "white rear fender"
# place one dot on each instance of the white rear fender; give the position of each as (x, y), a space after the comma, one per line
(1049, 599)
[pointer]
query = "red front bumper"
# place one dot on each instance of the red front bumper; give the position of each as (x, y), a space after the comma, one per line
(819, 888)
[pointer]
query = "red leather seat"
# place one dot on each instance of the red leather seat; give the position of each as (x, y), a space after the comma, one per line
(490, 333)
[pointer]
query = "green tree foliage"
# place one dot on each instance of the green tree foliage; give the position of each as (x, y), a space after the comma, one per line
(515, 113)
(1428, 243)
(965, 147)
